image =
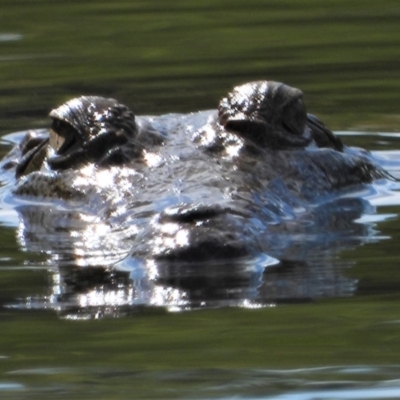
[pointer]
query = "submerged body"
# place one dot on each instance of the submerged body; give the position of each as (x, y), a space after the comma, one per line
(229, 191)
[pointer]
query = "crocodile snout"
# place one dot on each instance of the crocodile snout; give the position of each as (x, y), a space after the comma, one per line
(200, 233)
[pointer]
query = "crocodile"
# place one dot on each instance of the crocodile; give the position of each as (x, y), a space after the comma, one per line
(254, 184)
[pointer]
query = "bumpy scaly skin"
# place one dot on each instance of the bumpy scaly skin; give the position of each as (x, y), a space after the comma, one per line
(48, 186)
(100, 131)
(273, 115)
(202, 205)
(88, 130)
(93, 129)
(189, 223)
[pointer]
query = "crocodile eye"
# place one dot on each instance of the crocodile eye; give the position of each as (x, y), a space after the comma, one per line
(55, 125)
(62, 136)
(294, 117)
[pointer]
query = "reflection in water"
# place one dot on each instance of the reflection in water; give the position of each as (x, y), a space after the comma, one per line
(93, 275)
(356, 382)
(10, 37)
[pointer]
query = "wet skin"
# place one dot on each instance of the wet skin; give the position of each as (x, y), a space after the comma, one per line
(91, 129)
(215, 185)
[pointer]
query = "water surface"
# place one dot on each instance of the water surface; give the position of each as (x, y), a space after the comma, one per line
(160, 57)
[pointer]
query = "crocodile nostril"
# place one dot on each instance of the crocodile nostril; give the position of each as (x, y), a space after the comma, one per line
(192, 213)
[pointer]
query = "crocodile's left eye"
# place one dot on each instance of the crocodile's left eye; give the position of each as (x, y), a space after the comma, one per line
(55, 125)
(63, 136)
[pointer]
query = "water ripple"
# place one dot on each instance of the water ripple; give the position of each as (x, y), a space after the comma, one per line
(10, 37)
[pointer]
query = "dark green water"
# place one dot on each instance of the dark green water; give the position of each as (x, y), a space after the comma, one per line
(178, 56)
